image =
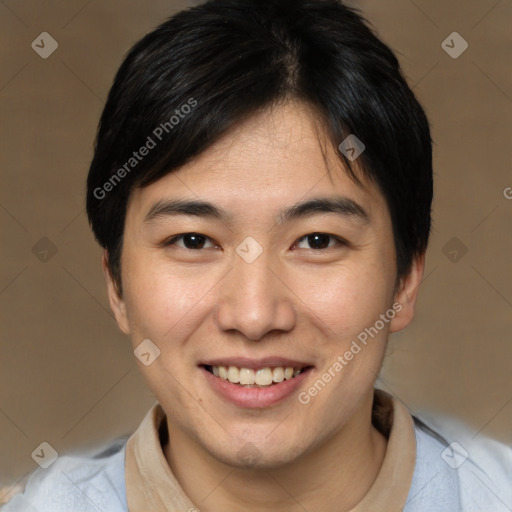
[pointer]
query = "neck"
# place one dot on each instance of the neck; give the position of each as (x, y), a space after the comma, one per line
(334, 476)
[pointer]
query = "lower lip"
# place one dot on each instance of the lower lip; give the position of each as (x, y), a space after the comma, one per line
(254, 398)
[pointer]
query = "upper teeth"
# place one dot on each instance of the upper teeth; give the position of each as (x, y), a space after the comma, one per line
(261, 377)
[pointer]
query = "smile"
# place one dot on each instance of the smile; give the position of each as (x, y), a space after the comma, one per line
(248, 377)
(255, 384)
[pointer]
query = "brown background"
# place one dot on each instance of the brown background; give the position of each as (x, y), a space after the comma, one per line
(69, 377)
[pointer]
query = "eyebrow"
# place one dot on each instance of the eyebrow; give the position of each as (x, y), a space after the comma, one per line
(339, 205)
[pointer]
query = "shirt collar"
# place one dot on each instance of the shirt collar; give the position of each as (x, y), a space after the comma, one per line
(151, 485)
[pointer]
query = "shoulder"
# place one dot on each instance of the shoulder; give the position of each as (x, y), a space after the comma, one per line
(78, 483)
(459, 470)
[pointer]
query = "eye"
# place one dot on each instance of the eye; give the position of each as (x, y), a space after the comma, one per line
(193, 241)
(320, 241)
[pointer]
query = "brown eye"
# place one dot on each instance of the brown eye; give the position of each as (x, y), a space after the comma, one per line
(193, 241)
(318, 241)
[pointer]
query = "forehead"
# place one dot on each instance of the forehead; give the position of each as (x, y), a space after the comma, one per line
(274, 158)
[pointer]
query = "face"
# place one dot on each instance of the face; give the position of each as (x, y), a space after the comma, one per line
(282, 262)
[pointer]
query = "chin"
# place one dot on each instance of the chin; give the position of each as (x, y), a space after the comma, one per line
(258, 457)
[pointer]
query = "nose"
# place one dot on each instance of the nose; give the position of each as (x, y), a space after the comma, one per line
(255, 300)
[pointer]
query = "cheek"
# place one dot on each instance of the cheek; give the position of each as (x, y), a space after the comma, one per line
(164, 303)
(346, 300)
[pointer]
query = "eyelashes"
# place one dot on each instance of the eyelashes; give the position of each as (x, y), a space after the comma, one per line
(197, 240)
(317, 241)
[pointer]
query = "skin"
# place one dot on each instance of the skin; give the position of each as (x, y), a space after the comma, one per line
(294, 301)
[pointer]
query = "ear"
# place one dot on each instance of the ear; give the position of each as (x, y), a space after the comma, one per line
(407, 294)
(117, 304)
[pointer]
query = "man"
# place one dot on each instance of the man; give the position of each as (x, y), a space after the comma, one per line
(262, 186)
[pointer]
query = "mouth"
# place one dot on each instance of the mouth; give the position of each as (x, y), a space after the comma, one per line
(255, 383)
(264, 377)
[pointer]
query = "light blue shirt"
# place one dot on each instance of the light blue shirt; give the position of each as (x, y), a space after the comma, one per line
(470, 476)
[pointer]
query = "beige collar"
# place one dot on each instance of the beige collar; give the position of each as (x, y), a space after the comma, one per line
(151, 485)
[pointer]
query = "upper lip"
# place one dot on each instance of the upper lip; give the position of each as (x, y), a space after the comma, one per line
(255, 364)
